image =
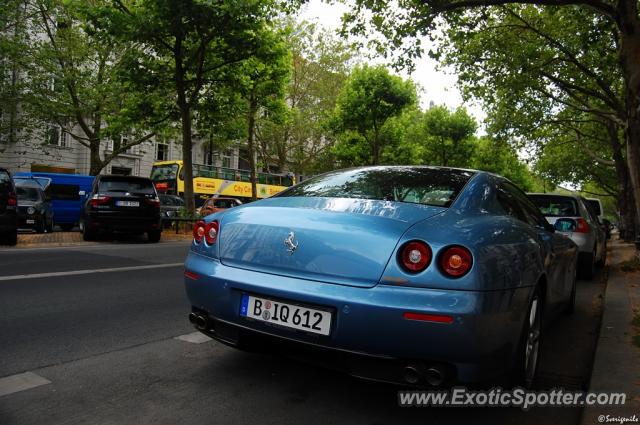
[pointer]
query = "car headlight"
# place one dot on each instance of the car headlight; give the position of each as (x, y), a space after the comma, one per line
(31, 210)
(169, 213)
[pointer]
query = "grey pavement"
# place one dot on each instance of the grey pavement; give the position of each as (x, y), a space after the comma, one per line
(617, 361)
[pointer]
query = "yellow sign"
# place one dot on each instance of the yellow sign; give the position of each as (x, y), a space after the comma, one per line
(232, 188)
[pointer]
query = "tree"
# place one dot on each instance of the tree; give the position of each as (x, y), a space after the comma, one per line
(320, 64)
(370, 97)
(183, 47)
(448, 136)
(419, 18)
(71, 75)
(261, 83)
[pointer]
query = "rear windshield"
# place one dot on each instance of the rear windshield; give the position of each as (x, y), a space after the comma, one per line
(65, 192)
(594, 206)
(5, 181)
(134, 186)
(419, 185)
(556, 206)
(27, 193)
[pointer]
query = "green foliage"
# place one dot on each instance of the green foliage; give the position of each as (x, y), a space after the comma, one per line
(448, 136)
(370, 97)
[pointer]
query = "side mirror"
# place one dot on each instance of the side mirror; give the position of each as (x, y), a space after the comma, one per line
(565, 225)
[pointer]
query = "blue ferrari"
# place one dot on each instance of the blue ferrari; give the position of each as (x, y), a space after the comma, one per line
(417, 275)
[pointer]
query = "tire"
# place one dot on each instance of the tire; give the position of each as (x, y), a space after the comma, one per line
(571, 306)
(11, 238)
(41, 224)
(67, 227)
(587, 266)
(526, 362)
(603, 258)
(154, 236)
(49, 227)
(87, 235)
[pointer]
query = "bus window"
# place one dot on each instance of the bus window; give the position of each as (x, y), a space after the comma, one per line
(164, 172)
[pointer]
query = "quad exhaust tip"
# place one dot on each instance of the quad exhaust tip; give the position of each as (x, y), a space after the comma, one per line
(414, 373)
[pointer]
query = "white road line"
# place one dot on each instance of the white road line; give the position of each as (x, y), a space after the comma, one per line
(97, 246)
(194, 338)
(80, 272)
(20, 382)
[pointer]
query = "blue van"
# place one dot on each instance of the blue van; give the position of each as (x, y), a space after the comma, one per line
(68, 193)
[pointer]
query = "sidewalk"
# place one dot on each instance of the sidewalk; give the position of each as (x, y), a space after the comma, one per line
(616, 365)
(54, 239)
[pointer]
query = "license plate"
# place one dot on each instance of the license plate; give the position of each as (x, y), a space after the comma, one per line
(31, 222)
(287, 315)
(127, 203)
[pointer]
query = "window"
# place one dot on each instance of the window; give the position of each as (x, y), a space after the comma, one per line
(419, 185)
(65, 192)
(126, 184)
(57, 136)
(121, 171)
(530, 212)
(509, 204)
(162, 151)
(556, 205)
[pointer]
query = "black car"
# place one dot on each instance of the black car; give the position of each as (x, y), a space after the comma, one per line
(170, 205)
(34, 206)
(8, 209)
(123, 204)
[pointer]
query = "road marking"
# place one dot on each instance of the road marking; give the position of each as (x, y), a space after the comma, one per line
(95, 246)
(80, 272)
(194, 338)
(20, 382)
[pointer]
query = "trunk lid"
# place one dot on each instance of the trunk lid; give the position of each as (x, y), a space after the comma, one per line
(334, 240)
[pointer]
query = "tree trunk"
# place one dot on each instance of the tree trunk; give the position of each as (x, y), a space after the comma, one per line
(625, 201)
(251, 123)
(185, 119)
(95, 162)
(629, 27)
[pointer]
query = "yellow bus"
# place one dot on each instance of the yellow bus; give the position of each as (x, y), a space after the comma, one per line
(209, 181)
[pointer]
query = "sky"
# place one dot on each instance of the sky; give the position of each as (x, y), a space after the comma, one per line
(438, 86)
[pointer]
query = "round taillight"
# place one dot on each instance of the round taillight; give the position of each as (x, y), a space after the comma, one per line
(211, 232)
(415, 256)
(456, 261)
(199, 231)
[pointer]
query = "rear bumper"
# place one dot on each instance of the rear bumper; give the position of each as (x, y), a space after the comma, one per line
(368, 323)
(120, 223)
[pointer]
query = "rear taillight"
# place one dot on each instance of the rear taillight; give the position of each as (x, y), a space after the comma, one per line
(206, 231)
(415, 256)
(199, 231)
(455, 261)
(99, 200)
(582, 226)
(211, 232)
(154, 202)
(12, 201)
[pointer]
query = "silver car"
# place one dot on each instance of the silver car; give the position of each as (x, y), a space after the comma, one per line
(569, 214)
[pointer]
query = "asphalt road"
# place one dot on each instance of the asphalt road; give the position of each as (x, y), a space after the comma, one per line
(107, 343)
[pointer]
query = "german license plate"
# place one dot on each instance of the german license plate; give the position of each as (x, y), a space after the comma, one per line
(127, 203)
(29, 221)
(288, 315)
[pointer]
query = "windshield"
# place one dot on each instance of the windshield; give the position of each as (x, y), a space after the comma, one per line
(130, 185)
(556, 206)
(164, 172)
(27, 193)
(416, 185)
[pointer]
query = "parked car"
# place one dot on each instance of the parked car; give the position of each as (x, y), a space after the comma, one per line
(170, 206)
(8, 209)
(415, 275)
(215, 204)
(34, 205)
(577, 221)
(595, 205)
(68, 195)
(122, 204)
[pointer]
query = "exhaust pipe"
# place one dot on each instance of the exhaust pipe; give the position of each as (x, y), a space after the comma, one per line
(434, 376)
(413, 373)
(200, 321)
